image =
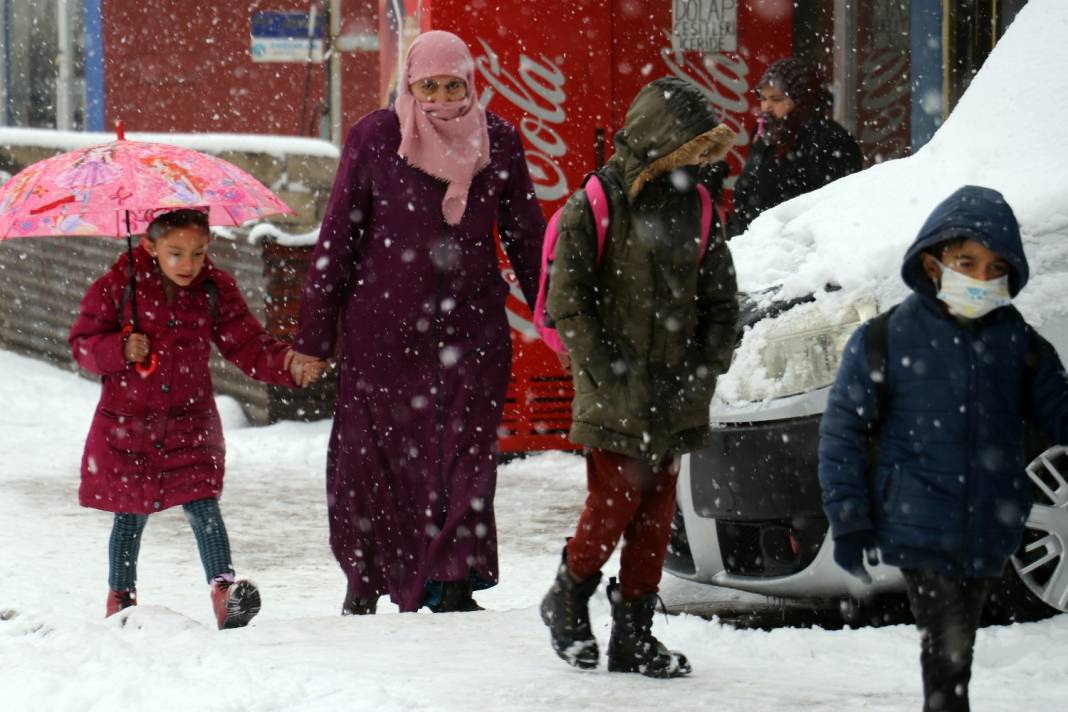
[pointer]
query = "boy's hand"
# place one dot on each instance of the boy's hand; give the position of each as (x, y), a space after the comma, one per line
(136, 347)
(851, 549)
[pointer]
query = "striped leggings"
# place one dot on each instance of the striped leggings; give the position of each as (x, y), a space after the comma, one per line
(208, 528)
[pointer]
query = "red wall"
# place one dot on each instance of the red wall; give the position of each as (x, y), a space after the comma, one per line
(175, 65)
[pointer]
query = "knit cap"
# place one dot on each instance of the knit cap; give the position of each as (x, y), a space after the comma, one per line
(798, 79)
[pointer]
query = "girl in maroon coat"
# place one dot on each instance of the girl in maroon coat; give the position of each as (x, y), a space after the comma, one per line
(156, 440)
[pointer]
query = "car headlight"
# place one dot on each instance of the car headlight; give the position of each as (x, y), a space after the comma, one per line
(796, 352)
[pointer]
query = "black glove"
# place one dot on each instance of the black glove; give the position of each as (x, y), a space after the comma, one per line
(850, 550)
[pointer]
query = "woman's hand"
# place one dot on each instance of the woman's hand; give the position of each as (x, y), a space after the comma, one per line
(136, 347)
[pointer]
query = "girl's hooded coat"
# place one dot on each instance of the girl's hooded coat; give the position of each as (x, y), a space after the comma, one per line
(949, 490)
(156, 441)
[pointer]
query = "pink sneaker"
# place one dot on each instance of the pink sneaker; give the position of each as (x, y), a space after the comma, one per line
(118, 600)
(235, 602)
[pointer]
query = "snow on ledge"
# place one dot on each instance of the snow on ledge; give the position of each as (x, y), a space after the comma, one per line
(267, 230)
(207, 142)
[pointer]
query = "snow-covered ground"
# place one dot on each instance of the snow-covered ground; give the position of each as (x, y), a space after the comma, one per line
(59, 653)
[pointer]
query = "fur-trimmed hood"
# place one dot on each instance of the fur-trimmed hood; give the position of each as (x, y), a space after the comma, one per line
(669, 122)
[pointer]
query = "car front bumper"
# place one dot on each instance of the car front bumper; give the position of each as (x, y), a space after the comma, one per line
(749, 510)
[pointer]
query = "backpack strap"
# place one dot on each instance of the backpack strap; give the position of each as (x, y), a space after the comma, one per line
(1034, 346)
(706, 219)
(599, 206)
(877, 346)
(598, 201)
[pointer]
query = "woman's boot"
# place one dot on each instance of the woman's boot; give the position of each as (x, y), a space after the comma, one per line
(565, 610)
(355, 605)
(632, 647)
(456, 598)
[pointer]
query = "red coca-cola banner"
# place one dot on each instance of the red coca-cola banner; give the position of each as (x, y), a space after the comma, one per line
(646, 47)
(564, 74)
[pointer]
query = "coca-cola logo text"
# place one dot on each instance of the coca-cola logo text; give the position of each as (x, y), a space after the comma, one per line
(539, 93)
(724, 80)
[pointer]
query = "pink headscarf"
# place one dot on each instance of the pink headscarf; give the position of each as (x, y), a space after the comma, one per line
(449, 141)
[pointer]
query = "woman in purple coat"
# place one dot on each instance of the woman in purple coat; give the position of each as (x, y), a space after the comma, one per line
(406, 270)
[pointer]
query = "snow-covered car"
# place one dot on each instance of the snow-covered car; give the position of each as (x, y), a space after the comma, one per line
(813, 269)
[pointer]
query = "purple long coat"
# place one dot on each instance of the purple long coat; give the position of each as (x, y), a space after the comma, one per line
(425, 358)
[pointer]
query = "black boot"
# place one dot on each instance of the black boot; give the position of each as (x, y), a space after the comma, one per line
(565, 610)
(456, 598)
(356, 605)
(632, 647)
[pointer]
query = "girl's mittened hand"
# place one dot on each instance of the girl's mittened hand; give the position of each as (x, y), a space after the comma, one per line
(136, 348)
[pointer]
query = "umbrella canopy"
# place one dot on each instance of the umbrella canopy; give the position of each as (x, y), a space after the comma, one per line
(94, 190)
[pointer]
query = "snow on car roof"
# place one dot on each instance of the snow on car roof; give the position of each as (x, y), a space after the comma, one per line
(1007, 132)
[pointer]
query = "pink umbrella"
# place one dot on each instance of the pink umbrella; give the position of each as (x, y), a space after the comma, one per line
(116, 189)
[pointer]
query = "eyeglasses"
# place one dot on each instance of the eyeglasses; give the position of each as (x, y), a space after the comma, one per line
(452, 86)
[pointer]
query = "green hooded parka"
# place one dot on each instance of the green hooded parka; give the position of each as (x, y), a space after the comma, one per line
(651, 328)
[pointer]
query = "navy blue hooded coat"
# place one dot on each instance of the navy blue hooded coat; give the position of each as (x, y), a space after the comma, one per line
(949, 491)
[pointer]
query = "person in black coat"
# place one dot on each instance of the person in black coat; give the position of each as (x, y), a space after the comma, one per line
(797, 147)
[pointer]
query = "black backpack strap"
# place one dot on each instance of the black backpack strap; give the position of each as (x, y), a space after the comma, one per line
(877, 347)
(1034, 347)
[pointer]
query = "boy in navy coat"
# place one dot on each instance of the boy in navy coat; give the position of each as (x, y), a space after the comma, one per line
(947, 495)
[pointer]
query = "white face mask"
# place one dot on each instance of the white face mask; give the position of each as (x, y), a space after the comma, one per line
(972, 298)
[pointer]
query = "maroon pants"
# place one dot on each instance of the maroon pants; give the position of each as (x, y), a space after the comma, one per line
(628, 498)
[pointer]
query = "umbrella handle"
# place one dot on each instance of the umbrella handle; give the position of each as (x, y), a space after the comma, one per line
(148, 369)
(144, 369)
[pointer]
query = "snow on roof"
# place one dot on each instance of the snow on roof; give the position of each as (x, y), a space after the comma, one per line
(1007, 132)
(207, 142)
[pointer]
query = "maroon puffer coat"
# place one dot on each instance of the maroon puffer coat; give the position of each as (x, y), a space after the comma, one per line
(156, 441)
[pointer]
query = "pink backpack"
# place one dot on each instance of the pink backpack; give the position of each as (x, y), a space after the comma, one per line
(599, 205)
